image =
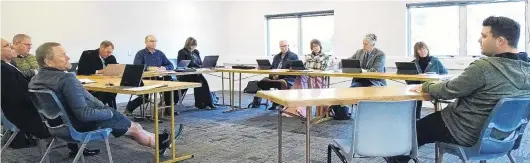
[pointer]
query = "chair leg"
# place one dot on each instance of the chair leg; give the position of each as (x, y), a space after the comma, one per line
(108, 150)
(79, 153)
(415, 160)
(45, 156)
(82, 158)
(11, 138)
(329, 153)
(43, 149)
(510, 157)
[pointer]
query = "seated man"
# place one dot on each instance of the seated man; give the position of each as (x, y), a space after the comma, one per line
(372, 60)
(85, 111)
(19, 109)
(477, 90)
(155, 60)
(279, 62)
(93, 61)
(24, 61)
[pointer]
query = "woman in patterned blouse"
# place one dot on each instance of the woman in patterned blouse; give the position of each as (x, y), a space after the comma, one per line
(317, 60)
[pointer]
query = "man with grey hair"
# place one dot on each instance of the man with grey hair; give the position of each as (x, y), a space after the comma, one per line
(278, 81)
(85, 111)
(372, 60)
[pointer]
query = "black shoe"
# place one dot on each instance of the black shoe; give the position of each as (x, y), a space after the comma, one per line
(273, 107)
(200, 106)
(86, 152)
(212, 106)
(164, 142)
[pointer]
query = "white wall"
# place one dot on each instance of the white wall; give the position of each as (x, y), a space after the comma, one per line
(82, 25)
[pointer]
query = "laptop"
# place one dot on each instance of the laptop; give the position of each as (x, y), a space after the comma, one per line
(264, 64)
(74, 67)
(132, 75)
(351, 66)
(409, 68)
(210, 61)
(297, 65)
(114, 70)
(183, 64)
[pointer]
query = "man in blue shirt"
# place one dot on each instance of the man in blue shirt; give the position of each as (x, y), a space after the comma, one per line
(155, 60)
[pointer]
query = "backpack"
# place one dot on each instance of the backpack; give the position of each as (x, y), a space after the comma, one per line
(340, 112)
(252, 87)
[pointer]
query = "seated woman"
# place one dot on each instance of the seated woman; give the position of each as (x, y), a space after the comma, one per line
(202, 94)
(317, 60)
(427, 64)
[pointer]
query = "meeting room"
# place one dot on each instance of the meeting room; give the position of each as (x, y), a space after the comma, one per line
(265, 81)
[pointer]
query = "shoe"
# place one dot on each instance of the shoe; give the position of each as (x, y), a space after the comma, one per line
(127, 112)
(273, 107)
(212, 106)
(164, 142)
(200, 106)
(86, 152)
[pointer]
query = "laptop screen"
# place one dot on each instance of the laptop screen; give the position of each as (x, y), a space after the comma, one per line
(132, 75)
(210, 61)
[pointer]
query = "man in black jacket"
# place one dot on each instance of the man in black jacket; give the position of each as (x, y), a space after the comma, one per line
(17, 106)
(280, 61)
(93, 62)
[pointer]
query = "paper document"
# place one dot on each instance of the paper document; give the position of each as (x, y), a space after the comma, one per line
(145, 87)
(86, 81)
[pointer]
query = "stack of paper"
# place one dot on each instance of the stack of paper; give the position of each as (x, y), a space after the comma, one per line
(86, 81)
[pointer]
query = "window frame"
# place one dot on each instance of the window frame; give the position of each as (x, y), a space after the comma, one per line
(462, 52)
(298, 16)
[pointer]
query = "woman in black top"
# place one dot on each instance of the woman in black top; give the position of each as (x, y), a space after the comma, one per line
(202, 94)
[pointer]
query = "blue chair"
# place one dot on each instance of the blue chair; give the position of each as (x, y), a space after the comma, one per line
(56, 119)
(10, 127)
(381, 129)
(502, 132)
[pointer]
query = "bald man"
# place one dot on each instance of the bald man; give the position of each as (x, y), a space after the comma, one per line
(279, 62)
(155, 60)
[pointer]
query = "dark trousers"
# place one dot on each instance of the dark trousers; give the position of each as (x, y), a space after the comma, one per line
(203, 96)
(132, 105)
(429, 129)
(267, 84)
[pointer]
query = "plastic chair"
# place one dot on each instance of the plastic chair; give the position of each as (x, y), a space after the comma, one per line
(502, 132)
(10, 127)
(58, 122)
(381, 129)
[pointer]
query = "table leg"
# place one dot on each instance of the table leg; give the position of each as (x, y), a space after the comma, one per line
(173, 145)
(280, 135)
(437, 155)
(239, 90)
(309, 114)
(233, 90)
(223, 86)
(157, 148)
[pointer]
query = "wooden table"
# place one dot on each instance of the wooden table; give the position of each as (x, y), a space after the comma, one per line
(171, 72)
(332, 96)
(101, 85)
(366, 75)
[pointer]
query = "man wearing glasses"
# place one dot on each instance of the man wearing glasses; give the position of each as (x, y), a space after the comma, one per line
(279, 62)
(24, 60)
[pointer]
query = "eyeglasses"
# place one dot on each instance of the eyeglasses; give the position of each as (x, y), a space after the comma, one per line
(284, 46)
(154, 41)
(27, 44)
(8, 45)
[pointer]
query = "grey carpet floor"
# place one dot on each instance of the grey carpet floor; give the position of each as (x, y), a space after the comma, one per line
(246, 136)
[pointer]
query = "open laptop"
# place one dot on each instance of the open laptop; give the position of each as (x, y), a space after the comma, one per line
(114, 70)
(409, 68)
(351, 66)
(264, 64)
(210, 61)
(74, 67)
(132, 75)
(297, 65)
(182, 66)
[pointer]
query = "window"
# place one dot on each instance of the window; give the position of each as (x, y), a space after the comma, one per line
(299, 29)
(453, 27)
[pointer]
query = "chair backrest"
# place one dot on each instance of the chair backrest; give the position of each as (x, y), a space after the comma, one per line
(385, 129)
(504, 126)
(7, 124)
(52, 113)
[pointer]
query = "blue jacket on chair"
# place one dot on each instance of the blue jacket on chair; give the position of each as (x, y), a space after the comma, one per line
(434, 66)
